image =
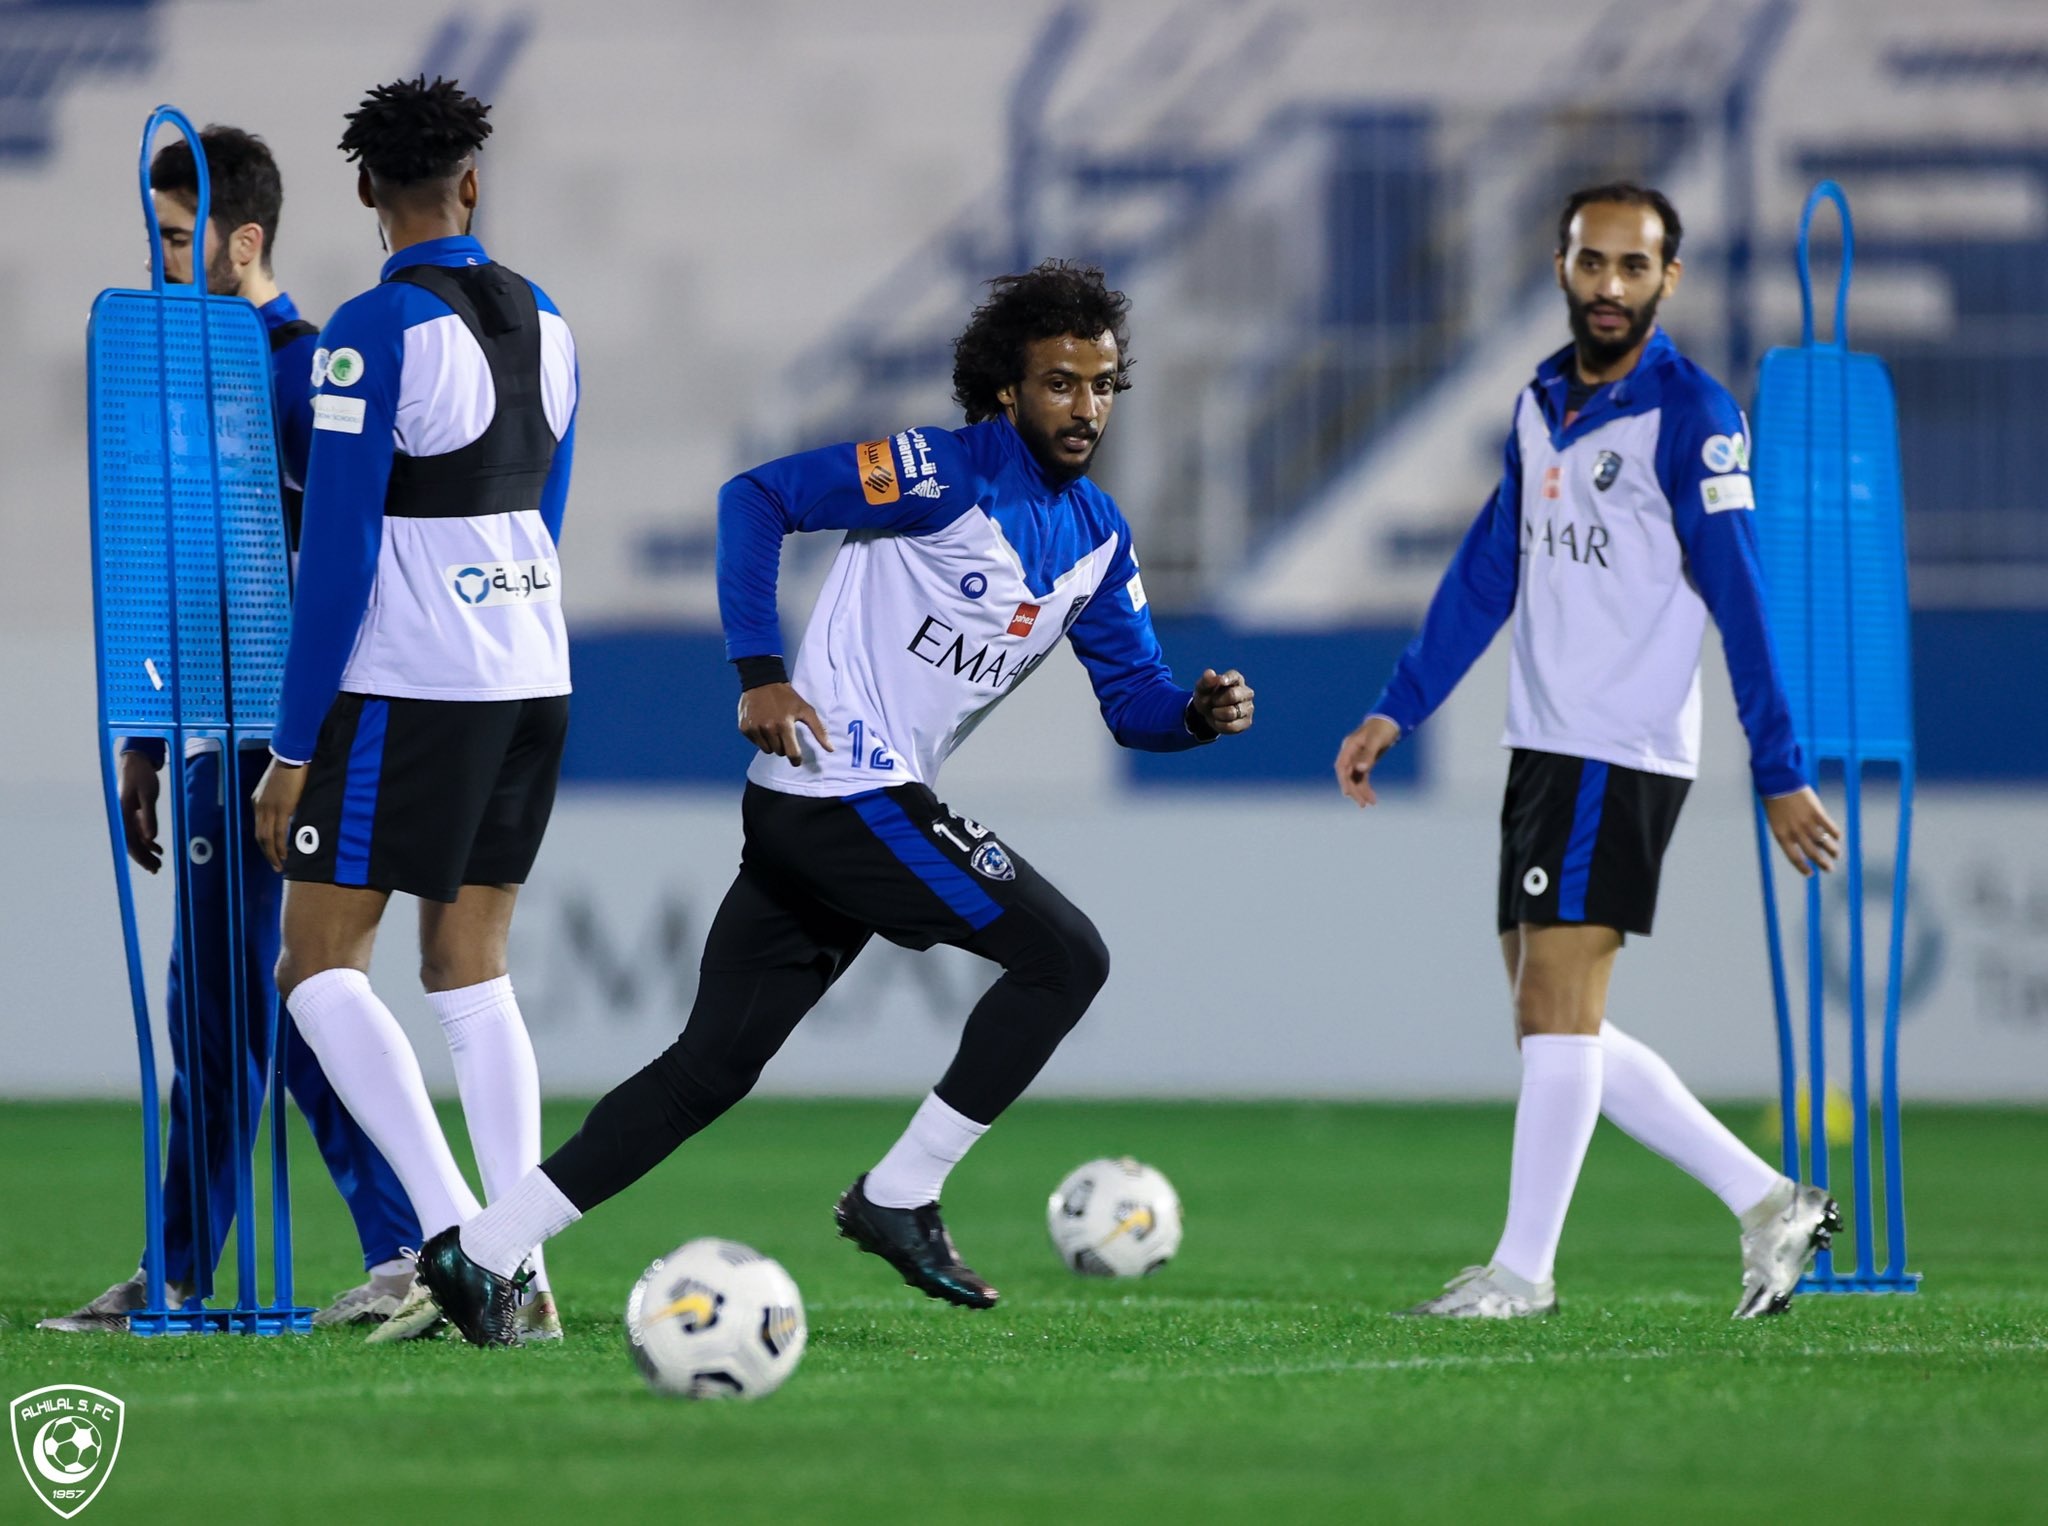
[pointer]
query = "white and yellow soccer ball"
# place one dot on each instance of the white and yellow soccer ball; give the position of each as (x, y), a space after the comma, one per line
(1114, 1218)
(715, 1319)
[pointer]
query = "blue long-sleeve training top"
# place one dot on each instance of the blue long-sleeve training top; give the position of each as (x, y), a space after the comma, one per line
(1614, 532)
(961, 570)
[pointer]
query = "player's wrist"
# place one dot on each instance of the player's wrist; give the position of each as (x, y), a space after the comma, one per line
(759, 672)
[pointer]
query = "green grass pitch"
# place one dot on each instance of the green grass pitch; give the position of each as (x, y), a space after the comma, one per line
(1259, 1378)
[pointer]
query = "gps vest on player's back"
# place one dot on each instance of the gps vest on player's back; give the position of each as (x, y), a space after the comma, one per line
(468, 597)
(504, 469)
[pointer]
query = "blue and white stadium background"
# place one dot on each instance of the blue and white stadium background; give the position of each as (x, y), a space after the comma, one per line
(1334, 218)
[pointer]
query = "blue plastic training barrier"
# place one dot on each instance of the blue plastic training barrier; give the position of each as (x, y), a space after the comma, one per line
(1831, 525)
(192, 610)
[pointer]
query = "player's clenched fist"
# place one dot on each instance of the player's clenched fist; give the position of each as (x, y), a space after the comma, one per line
(769, 717)
(1361, 751)
(1224, 701)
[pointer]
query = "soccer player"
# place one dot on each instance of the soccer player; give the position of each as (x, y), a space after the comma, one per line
(426, 685)
(1621, 522)
(247, 194)
(969, 554)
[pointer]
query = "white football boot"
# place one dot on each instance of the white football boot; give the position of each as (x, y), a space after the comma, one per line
(110, 1311)
(372, 1303)
(537, 1320)
(418, 1318)
(1779, 1237)
(1489, 1292)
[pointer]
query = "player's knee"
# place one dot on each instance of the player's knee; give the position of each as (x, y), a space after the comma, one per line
(700, 1088)
(1548, 1007)
(287, 973)
(1088, 960)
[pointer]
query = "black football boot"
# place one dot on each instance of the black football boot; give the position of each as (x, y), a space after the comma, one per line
(479, 1303)
(915, 1242)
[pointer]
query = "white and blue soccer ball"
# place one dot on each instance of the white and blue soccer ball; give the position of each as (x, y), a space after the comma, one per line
(1114, 1218)
(715, 1319)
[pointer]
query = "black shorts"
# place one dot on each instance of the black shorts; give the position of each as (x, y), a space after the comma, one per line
(819, 876)
(1583, 842)
(426, 796)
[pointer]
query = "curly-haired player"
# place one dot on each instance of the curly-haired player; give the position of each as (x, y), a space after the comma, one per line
(971, 553)
(426, 688)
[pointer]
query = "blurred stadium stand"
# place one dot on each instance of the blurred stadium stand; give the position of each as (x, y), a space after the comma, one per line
(1335, 221)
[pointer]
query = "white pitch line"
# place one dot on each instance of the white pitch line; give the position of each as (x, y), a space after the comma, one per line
(1536, 1358)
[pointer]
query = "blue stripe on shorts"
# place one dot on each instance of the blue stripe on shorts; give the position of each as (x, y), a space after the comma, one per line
(1577, 870)
(359, 795)
(887, 819)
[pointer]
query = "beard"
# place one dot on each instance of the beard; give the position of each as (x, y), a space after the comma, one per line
(1060, 469)
(220, 274)
(1598, 353)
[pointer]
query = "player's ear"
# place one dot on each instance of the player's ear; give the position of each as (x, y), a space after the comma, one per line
(1673, 269)
(245, 245)
(465, 188)
(363, 189)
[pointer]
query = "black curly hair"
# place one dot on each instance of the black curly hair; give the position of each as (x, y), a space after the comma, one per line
(243, 185)
(410, 132)
(1051, 299)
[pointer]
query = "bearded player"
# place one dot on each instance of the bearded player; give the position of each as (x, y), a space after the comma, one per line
(1622, 520)
(970, 554)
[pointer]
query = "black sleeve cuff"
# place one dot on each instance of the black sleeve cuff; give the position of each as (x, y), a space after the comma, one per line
(756, 672)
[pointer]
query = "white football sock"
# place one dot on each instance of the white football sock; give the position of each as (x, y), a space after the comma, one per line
(498, 1082)
(509, 1231)
(1554, 1120)
(377, 1077)
(1643, 1097)
(914, 1171)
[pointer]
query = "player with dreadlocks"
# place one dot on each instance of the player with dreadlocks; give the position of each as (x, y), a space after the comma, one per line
(420, 732)
(970, 554)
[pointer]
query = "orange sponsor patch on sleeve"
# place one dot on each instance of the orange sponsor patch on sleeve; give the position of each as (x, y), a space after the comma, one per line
(877, 468)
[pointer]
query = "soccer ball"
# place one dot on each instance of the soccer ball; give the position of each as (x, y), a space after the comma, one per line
(1114, 1218)
(72, 1445)
(716, 1320)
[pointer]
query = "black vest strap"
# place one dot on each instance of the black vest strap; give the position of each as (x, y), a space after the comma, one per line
(282, 337)
(288, 333)
(504, 470)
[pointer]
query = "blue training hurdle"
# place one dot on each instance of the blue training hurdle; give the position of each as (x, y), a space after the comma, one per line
(1831, 530)
(191, 613)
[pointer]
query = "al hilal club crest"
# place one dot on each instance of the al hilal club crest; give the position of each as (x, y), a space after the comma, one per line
(66, 1437)
(1606, 467)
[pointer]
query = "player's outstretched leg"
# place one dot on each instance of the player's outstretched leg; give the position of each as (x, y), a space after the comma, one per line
(765, 965)
(1782, 1224)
